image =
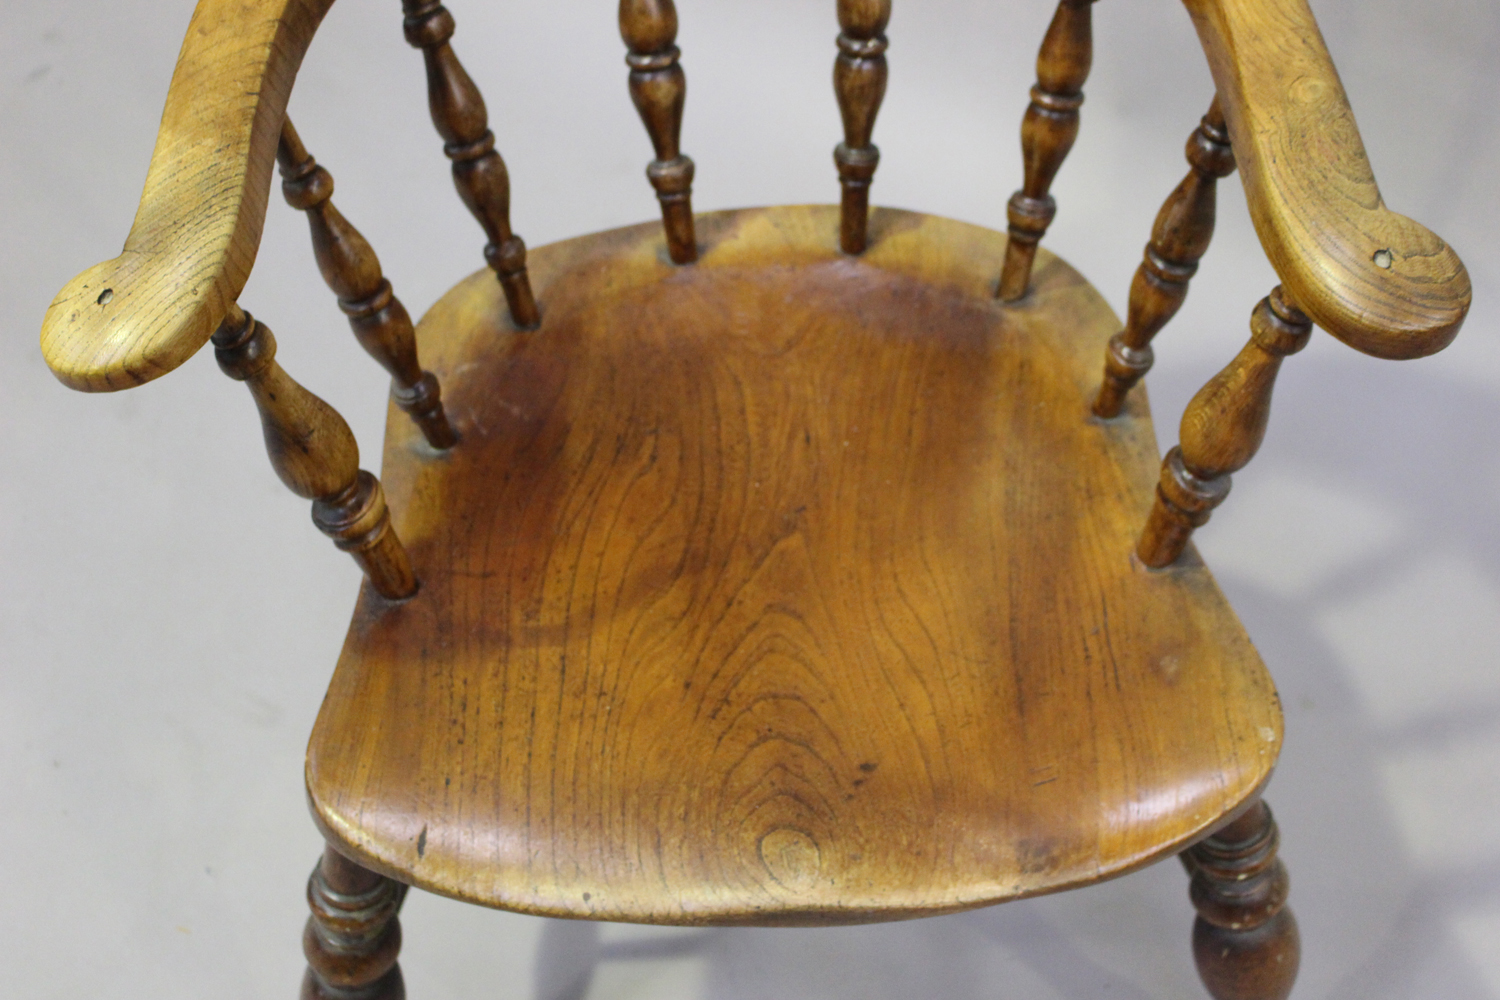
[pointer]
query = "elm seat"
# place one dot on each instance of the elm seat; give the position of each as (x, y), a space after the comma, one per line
(786, 588)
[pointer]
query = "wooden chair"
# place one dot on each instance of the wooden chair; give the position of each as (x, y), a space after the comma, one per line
(774, 566)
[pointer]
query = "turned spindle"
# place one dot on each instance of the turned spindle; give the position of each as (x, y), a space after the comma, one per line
(1184, 227)
(859, 77)
(1245, 940)
(658, 87)
(479, 173)
(314, 453)
(351, 269)
(1222, 429)
(1047, 134)
(353, 936)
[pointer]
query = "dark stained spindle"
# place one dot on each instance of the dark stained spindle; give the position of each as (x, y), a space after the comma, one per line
(478, 171)
(350, 267)
(1179, 240)
(659, 88)
(314, 453)
(859, 77)
(1047, 134)
(353, 937)
(1245, 940)
(1222, 429)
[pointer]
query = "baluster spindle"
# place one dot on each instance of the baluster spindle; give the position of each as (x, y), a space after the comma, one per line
(479, 173)
(353, 936)
(658, 87)
(1222, 429)
(1047, 134)
(859, 77)
(1179, 240)
(314, 453)
(351, 269)
(1245, 940)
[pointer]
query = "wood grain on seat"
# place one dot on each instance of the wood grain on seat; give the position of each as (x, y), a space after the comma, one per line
(787, 587)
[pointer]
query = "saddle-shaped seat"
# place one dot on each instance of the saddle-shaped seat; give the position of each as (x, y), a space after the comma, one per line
(784, 588)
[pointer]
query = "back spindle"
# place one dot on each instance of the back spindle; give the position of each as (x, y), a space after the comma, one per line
(1222, 429)
(314, 453)
(1047, 134)
(479, 173)
(859, 78)
(658, 87)
(1183, 229)
(351, 269)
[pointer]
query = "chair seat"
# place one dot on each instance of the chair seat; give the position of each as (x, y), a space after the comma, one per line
(785, 587)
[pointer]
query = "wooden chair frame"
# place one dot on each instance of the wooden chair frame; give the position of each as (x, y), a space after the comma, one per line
(1374, 279)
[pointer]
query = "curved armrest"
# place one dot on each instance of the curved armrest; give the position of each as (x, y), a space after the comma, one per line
(1378, 281)
(194, 239)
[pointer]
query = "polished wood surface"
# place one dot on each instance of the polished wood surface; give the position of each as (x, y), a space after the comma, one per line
(353, 935)
(1221, 430)
(136, 317)
(460, 117)
(789, 588)
(1048, 132)
(315, 455)
(1375, 279)
(349, 266)
(859, 79)
(658, 88)
(1179, 239)
(1245, 939)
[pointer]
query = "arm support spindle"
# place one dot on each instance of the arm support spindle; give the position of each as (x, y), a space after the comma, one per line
(135, 318)
(314, 453)
(1180, 237)
(351, 269)
(1222, 429)
(859, 77)
(1047, 134)
(659, 88)
(459, 114)
(1376, 280)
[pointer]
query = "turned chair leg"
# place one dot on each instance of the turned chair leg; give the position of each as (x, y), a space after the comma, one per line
(1245, 939)
(353, 936)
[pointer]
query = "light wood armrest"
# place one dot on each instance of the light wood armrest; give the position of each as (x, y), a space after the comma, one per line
(195, 235)
(1378, 281)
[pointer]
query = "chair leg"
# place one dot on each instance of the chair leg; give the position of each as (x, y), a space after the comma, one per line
(353, 936)
(1245, 939)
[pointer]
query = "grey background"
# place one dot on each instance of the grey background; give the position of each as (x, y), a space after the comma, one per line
(169, 618)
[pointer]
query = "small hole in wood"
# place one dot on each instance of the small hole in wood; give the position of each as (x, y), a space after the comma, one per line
(1384, 259)
(105, 296)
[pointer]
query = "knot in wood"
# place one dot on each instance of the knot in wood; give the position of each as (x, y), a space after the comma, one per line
(862, 48)
(243, 351)
(1062, 104)
(507, 257)
(427, 25)
(653, 62)
(1278, 327)
(1193, 495)
(671, 177)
